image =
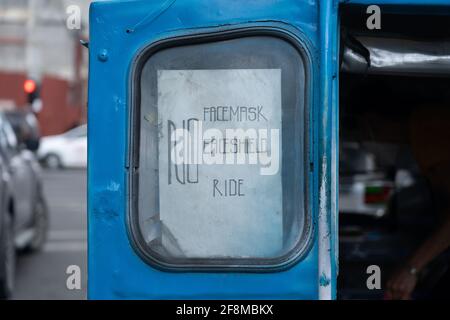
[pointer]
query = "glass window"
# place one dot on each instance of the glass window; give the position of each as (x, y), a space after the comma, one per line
(219, 153)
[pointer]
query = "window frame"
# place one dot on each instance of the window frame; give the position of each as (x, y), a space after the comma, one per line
(304, 244)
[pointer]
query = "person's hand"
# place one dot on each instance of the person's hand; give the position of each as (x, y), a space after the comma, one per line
(401, 285)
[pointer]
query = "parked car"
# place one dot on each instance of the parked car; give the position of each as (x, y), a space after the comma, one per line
(23, 208)
(65, 150)
(26, 127)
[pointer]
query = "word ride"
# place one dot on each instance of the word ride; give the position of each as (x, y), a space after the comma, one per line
(228, 188)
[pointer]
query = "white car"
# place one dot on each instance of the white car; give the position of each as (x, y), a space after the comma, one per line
(67, 150)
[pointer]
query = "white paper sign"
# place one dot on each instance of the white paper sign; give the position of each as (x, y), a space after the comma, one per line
(220, 177)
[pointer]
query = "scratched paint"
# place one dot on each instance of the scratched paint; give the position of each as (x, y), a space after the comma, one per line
(324, 281)
(326, 234)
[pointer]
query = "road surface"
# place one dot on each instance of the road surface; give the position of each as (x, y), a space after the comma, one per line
(42, 275)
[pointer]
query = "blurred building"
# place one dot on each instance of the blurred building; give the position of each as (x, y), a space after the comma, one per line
(36, 43)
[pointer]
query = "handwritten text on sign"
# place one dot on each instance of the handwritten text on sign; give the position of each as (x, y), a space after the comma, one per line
(219, 162)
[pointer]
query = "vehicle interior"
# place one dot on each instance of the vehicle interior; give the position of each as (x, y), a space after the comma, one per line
(394, 144)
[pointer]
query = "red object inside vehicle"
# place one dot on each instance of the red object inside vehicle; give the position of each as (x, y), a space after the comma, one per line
(377, 194)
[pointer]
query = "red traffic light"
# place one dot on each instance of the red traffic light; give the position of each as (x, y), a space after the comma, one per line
(29, 86)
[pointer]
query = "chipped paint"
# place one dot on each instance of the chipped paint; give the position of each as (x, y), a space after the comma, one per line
(324, 281)
(113, 186)
(104, 205)
(324, 235)
(118, 103)
(327, 234)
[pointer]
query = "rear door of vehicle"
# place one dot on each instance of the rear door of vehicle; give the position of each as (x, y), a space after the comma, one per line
(247, 91)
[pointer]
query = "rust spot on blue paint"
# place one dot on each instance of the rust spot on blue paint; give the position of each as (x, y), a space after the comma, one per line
(324, 281)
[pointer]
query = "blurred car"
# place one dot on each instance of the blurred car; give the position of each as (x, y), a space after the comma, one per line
(65, 150)
(25, 126)
(23, 208)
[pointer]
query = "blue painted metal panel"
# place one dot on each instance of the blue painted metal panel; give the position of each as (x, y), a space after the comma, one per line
(118, 30)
